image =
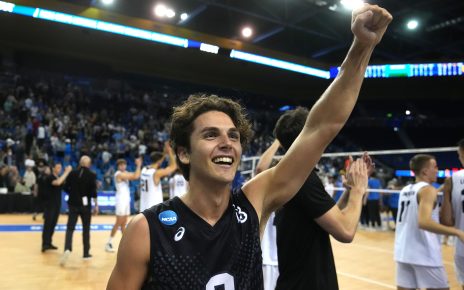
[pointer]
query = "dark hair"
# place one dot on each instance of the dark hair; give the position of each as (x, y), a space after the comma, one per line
(197, 104)
(155, 156)
(419, 161)
(461, 144)
(289, 126)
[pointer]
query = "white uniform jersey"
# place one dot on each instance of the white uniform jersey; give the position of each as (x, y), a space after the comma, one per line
(269, 243)
(413, 245)
(150, 193)
(457, 202)
(122, 190)
(179, 185)
(171, 187)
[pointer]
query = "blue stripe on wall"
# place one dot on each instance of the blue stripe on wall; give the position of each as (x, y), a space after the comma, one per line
(58, 228)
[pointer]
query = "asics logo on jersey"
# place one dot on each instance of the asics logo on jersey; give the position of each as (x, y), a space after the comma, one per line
(168, 217)
(241, 216)
(179, 234)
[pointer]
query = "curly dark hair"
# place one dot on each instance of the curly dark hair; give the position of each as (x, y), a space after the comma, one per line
(197, 104)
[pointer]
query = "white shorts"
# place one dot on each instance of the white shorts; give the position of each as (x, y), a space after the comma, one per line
(415, 276)
(122, 208)
(459, 268)
(270, 275)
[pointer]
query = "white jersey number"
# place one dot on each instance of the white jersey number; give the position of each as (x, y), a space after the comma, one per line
(226, 280)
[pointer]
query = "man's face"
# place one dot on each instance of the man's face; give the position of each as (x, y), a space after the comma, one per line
(431, 170)
(57, 169)
(122, 167)
(215, 148)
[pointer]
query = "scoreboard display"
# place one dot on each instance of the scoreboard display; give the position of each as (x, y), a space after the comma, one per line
(410, 70)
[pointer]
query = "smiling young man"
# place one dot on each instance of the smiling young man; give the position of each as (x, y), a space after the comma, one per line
(210, 238)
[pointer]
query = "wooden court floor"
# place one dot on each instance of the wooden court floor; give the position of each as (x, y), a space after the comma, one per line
(367, 263)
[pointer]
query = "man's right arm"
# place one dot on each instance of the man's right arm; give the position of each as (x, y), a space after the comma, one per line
(172, 166)
(60, 180)
(266, 159)
(427, 201)
(133, 257)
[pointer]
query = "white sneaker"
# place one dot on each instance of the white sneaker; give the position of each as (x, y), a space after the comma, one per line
(109, 248)
(64, 258)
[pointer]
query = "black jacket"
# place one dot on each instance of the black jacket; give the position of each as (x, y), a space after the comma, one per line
(81, 182)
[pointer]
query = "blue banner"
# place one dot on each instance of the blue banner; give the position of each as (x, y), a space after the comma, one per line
(58, 228)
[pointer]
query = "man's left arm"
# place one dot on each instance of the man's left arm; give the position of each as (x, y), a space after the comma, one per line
(342, 224)
(446, 211)
(274, 187)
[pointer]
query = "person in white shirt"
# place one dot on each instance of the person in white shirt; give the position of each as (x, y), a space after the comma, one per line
(121, 181)
(417, 243)
(452, 211)
(177, 184)
(29, 177)
(150, 180)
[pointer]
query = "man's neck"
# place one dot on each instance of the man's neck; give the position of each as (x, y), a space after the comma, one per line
(209, 201)
(422, 179)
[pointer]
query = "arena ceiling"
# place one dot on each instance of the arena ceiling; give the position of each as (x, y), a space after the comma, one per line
(318, 29)
(304, 31)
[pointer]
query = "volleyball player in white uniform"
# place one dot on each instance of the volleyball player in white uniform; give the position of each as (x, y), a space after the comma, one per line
(269, 252)
(268, 241)
(417, 243)
(178, 183)
(122, 210)
(150, 181)
(452, 212)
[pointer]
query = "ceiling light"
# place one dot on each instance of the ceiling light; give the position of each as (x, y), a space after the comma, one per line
(352, 4)
(408, 112)
(170, 13)
(183, 16)
(247, 32)
(107, 2)
(412, 24)
(160, 10)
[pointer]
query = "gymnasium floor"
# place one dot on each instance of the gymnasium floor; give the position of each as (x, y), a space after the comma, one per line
(367, 263)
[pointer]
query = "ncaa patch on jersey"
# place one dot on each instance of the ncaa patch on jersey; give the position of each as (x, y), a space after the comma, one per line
(168, 217)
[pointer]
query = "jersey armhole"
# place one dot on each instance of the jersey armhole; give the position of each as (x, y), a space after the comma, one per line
(149, 215)
(241, 196)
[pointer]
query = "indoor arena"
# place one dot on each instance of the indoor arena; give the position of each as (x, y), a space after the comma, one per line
(232, 145)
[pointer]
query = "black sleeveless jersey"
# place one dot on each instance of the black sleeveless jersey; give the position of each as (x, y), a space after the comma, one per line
(188, 253)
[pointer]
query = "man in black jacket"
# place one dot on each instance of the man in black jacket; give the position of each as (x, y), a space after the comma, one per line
(53, 184)
(81, 186)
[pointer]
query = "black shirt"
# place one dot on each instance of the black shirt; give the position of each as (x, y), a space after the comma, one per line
(303, 247)
(52, 192)
(42, 187)
(79, 183)
(188, 253)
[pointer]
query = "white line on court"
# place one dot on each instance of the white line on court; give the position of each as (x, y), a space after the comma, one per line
(388, 251)
(366, 280)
